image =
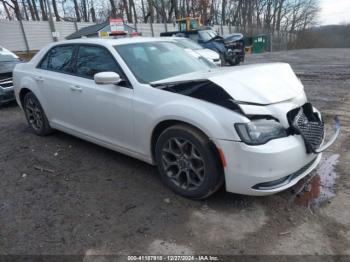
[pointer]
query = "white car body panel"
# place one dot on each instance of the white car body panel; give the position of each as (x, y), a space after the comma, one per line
(210, 55)
(197, 52)
(4, 51)
(123, 119)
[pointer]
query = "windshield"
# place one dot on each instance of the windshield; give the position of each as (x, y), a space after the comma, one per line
(207, 35)
(187, 43)
(153, 61)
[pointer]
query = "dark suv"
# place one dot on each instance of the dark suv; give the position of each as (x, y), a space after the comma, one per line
(8, 61)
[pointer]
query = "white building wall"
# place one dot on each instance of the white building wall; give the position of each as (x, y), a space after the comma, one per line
(39, 34)
(11, 36)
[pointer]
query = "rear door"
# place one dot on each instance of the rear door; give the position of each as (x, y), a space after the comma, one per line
(53, 76)
(103, 112)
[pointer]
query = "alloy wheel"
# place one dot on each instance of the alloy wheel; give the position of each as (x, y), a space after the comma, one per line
(34, 114)
(183, 163)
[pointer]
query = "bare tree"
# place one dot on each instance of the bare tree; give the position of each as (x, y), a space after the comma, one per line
(24, 10)
(143, 11)
(76, 8)
(114, 9)
(31, 10)
(35, 10)
(55, 10)
(92, 11)
(132, 5)
(43, 10)
(6, 6)
(15, 7)
(127, 11)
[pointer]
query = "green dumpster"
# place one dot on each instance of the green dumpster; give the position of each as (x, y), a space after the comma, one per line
(260, 43)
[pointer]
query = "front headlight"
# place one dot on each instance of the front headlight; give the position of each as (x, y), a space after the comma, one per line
(260, 131)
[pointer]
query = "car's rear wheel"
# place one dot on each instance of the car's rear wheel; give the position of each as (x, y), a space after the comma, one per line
(35, 115)
(187, 162)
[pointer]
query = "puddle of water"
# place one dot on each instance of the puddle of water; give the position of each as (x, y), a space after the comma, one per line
(322, 186)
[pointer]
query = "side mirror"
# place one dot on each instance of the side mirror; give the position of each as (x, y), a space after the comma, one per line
(105, 78)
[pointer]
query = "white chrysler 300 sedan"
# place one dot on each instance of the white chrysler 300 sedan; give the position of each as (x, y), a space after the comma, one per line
(250, 127)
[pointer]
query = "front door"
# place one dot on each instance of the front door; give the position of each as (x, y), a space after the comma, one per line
(102, 112)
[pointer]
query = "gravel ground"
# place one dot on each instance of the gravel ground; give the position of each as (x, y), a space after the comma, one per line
(62, 195)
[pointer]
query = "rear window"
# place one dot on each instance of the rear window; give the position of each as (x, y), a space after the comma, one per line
(58, 59)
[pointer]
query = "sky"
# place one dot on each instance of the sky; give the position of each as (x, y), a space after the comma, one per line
(334, 12)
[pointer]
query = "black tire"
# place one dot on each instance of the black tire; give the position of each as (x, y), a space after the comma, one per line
(35, 115)
(234, 61)
(197, 178)
(223, 60)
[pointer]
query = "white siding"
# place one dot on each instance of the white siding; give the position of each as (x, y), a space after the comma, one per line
(64, 29)
(38, 34)
(81, 25)
(11, 36)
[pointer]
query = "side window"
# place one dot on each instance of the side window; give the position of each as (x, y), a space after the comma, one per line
(58, 59)
(94, 59)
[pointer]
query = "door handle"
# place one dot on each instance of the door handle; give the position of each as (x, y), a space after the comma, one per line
(39, 79)
(76, 88)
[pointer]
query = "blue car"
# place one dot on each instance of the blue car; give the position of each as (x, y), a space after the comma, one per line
(230, 48)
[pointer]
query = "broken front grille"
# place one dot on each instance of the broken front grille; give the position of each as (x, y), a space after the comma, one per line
(305, 122)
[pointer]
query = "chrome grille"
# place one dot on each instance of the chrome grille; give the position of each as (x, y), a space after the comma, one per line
(4, 76)
(311, 129)
(6, 83)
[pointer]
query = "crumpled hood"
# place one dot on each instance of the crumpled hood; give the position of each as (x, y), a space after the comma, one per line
(233, 37)
(260, 83)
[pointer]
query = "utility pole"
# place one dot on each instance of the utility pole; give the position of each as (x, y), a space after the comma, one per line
(51, 23)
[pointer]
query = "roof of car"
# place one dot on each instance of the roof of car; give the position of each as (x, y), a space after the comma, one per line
(109, 41)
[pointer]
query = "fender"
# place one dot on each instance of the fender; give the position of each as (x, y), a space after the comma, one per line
(27, 82)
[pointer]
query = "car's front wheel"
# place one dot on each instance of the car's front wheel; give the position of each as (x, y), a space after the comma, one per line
(187, 162)
(35, 115)
(234, 61)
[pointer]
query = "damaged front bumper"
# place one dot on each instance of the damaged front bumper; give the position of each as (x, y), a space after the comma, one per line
(332, 139)
(271, 167)
(249, 168)
(306, 121)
